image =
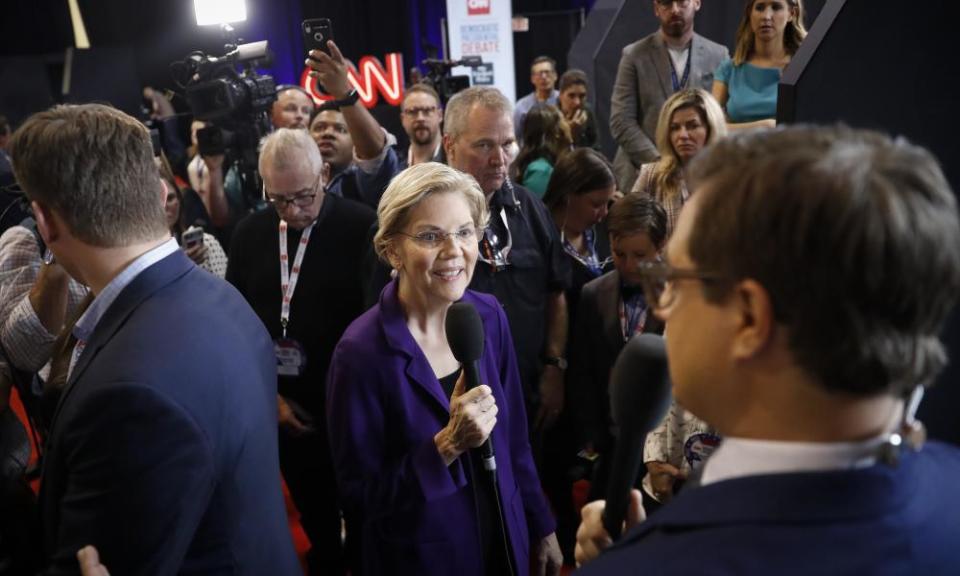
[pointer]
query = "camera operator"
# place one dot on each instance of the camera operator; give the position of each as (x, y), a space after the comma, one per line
(359, 151)
(293, 108)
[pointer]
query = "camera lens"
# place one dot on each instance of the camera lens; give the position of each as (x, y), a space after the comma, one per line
(318, 36)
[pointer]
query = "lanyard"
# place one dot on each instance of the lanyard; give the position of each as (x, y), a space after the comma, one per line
(590, 261)
(633, 317)
(288, 278)
(680, 83)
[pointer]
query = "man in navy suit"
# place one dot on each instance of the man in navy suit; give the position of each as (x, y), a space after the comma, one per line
(162, 451)
(804, 292)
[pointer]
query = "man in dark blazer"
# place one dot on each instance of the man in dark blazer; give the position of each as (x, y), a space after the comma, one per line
(806, 286)
(162, 451)
(650, 71)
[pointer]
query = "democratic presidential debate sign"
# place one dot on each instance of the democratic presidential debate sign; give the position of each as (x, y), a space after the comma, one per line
(371, 79)
(483, 28)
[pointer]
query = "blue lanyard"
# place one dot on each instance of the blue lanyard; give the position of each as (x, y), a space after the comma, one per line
(591, 262)
(678, 84)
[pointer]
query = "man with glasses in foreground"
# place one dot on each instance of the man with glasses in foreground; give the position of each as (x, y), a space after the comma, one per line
(298, 265)
(805, 290)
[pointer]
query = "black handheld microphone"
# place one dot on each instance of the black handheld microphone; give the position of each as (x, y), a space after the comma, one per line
(465, 337)
(639, 398)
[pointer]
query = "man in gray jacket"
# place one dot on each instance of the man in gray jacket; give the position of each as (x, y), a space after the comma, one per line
(650, 70)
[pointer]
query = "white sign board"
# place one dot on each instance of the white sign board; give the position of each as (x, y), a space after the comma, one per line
(483, 28)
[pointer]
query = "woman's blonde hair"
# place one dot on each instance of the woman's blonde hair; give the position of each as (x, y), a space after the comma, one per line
(793, 35)
(667, 173)
(411, 187)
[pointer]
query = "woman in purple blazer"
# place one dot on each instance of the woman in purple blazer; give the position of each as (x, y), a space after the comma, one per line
(401, 425)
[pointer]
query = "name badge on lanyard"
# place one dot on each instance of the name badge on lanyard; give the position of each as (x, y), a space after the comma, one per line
(291, 357)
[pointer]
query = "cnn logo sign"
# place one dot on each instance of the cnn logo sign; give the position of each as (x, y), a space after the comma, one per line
(478, 7)
(369, 78)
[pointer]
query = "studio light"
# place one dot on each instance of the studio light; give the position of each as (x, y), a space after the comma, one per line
(220, 11)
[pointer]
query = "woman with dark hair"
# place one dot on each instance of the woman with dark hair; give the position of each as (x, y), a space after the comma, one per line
(689, 120)
(580, 190)
(769, 35)
(546, 138)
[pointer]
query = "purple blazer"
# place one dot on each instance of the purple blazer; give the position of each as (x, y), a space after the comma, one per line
(384, 406)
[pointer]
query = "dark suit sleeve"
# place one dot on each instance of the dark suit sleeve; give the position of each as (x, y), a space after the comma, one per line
(140, 477)
(540, 522)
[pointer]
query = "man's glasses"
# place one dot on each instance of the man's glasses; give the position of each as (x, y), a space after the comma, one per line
(536, 73)
(436, 238)
(416, 112)
(657, 279)
(302, 199)
(670, 3)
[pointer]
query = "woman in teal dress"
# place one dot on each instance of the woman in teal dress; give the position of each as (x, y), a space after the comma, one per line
(769, 35)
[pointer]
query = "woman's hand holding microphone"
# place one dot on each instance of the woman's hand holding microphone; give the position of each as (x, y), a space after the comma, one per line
(473, 414)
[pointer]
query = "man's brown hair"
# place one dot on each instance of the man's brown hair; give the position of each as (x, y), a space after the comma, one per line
(94, 166)
(856, 238)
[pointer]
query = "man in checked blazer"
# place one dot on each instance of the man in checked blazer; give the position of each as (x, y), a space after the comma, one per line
(651, 70)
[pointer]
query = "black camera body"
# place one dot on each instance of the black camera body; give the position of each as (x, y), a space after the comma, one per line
(226, 98)
(443, 82)
(234, 100)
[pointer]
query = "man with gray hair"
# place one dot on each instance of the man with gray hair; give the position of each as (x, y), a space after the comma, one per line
(319, 241)
(521, 259)
(161, 451)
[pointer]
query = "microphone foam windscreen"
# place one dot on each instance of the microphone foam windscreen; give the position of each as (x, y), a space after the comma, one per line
(640, 384)
(464, 332)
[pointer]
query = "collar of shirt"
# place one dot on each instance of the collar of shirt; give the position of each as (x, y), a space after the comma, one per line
(89, 320)
(739, 457)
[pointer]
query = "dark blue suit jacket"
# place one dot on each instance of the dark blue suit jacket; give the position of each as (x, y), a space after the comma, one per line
(878, 521)
(163, 450)
(384, 406)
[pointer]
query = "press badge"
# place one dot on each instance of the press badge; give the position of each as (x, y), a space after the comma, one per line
(698, 447)
(291, 358)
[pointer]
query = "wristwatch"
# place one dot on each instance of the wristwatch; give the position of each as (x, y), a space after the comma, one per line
(350, 99)
(558, 361)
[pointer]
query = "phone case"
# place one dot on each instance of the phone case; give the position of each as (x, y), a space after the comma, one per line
(316, 32)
